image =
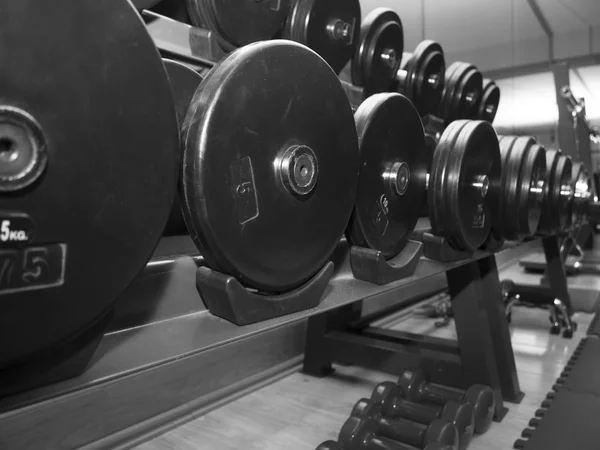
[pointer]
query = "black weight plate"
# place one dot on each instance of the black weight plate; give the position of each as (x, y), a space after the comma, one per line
(564, 168)
(184, 81)
(559, 193)
(379, 51)
(533, 176)
(462, 91)
(437, 178)
(425, 76)
(107, 119)
(512, 152)
(238, 208)
(581, 186)
(490, 99)
(329, 27)
(393, 171)
(240, 22)
(474, 160)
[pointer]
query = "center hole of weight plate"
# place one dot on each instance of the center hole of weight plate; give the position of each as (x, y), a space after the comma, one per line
(399, 177)
(390, 57)
(482, 184)
(22, 157)
(566, 190)
(339, 30)
(299, 170)
(433, 80)
(9, 151)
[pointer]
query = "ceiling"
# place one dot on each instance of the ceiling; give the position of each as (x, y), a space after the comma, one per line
(498, 35)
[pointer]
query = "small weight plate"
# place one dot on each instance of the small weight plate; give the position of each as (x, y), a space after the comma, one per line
(490, 99)
(184, 81)
(267, 196)
(565, 190)
(472, 175)
(393, 171)
(512, 152)
(438, 175)
(379, 51)
(581, 185)
(103, 116)
(462, 91)
(329, 27)
(240, 22)
(425, 71)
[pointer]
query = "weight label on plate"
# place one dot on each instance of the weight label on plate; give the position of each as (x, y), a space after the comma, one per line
(479, 217)
(32, 268)
(16, 229)
(382, 210)
(243, 190)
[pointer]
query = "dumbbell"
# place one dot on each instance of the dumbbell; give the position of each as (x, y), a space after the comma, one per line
(395, 406)
(558, 195)
(522, 188)
(379, 52)
(407, 431)
(463, 87)
(361, 434)
(415, 387)
(490, 99)
(421, 76)
(329, 27)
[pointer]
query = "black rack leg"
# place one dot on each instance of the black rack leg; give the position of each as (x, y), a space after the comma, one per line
(555, 270)
(477, 322)
(318, 359)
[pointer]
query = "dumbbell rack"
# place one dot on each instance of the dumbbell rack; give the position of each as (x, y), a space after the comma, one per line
(165, 357)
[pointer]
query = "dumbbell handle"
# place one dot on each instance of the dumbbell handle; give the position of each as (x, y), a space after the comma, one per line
(439, 394)
(406, 409)
(403, 430)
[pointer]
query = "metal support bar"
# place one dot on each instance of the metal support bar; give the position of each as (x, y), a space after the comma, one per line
(545, 25)
(475, 341)
(420, 341)
(555, 269)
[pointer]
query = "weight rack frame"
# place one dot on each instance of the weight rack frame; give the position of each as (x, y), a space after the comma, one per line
(482, 352)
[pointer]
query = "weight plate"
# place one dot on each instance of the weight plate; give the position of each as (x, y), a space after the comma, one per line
(89, 223)
(582, 192)
(240, 22)
(533, 176)
(472, 176)
(393, 172)
(512, 152)
(267, 196)
(462, 91)
(424, 81)
(490, 99)
(379, 51)
(329, 27)
(184, 81)
(559, 193)
(438, 175)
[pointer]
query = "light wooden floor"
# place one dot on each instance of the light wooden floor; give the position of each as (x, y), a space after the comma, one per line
(299, 412)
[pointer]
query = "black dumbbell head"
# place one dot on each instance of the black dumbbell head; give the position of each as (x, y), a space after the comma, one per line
(366, 408)
(442, 432)
(483, 400)
(355, 431)
(385, 394)
(461, 415)
(329, 445)
(410, 382)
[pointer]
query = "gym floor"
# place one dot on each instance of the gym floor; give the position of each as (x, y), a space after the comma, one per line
(299, 411)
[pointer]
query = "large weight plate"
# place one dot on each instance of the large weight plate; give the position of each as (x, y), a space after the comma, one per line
(471, 177)
(106, 120)
(240, 22)
(184, 81)
(437, 179)
(462, 91)
(533, 176)
(424, 81)
(379, 52)
(271, 228)
(329, 27)
(490, 99)
(393, 171)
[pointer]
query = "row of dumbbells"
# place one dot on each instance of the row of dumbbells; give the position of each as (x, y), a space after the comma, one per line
(416, 414)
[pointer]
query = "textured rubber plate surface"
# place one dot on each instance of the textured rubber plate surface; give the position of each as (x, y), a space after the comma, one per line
(581, 374)
(594, 328)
